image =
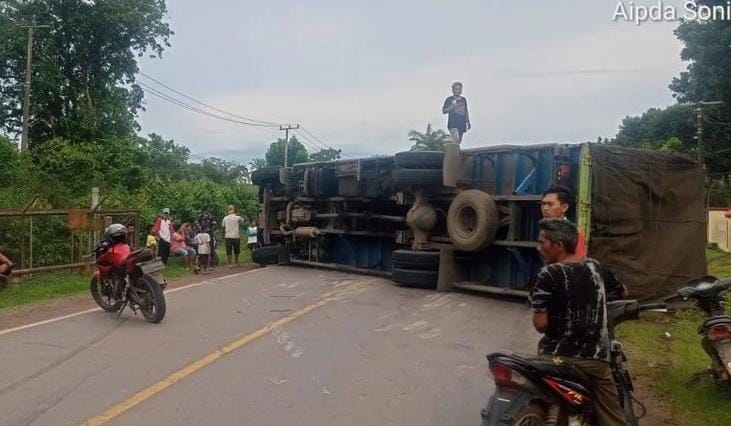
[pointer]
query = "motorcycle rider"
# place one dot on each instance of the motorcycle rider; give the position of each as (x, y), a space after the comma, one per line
(569, 302)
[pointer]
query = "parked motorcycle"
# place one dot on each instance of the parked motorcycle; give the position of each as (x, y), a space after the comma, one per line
(535, 390)
(125, 278)
(709, 296)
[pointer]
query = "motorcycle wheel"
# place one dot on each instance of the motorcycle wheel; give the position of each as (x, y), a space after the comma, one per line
(150, 298)
(530, 415)
(103, 296)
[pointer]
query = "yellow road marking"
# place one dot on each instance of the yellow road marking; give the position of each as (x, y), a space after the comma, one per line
(201, 363)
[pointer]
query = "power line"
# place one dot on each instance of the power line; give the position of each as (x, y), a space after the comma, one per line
(316, 138)
(305, 140)
(260, 122)
(316, 143)
(714, 121)
(182, 104)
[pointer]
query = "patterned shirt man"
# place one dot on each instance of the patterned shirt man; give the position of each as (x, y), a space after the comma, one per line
(574, 295)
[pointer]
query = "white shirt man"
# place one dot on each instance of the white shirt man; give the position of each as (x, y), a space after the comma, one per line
(231, 225)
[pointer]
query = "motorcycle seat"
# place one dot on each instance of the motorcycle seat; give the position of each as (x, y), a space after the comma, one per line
(550, 366)
(143, 255)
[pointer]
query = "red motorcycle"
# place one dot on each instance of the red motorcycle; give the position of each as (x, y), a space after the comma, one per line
(125, 278)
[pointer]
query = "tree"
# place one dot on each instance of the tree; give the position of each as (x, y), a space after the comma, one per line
(257, 163)
(164, 158)
(430, 140)
(328, 154)
(656, 126)
(222, 171)
(297, 153)
(707, 49)
(84, 65)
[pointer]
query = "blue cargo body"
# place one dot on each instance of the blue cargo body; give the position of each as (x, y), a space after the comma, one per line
(460, 219)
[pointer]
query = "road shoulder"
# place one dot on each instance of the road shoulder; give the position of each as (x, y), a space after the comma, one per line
(29, 314)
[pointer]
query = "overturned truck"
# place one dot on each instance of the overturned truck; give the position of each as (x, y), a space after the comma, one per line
(468, 219)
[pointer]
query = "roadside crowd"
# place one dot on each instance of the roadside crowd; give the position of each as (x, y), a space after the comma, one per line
(196, 242)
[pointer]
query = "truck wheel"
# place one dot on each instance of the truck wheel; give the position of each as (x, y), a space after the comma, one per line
(472, 220)
(265, 175)
(415, 278)
(268, 255)
(419, 160)
(409, 259)
(310, 182)
(327, 183)
(403, 178)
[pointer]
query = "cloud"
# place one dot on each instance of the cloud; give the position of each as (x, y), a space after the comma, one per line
(361, 79)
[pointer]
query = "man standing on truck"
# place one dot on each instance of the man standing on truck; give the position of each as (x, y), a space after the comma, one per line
(554, 205)
(459, 116)
(569, 301)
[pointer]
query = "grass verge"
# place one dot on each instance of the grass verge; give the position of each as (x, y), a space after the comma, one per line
(669, 364)
(55, 285)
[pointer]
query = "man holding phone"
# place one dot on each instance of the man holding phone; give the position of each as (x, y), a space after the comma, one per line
(459, 116)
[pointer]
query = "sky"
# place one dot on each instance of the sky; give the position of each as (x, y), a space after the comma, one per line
(359, 75)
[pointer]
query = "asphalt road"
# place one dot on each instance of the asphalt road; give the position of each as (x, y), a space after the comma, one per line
(272, 346)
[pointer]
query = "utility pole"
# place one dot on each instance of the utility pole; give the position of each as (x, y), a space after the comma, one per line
(26, 91)
(286, 129)
(699, 128)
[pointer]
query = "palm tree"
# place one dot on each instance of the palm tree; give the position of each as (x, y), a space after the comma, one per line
(257, 163)
(430, 140)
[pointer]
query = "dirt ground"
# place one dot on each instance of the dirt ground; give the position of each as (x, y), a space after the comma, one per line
(29, 314)
(658, 410)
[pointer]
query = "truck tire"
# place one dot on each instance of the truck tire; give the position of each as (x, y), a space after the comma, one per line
(268, 255)
(310, 182)
(472, 220)
(409, 259)
(419, 160)
(415, 278)
(403, 178)
(265, 175)
(327, 183)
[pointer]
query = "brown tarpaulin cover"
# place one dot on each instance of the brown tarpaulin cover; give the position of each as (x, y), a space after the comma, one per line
(648, 218)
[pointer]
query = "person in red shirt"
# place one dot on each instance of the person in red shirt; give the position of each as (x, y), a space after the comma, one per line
(554, 205)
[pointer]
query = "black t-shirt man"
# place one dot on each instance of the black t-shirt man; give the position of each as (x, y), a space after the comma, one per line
(569, 301)
(574, 295)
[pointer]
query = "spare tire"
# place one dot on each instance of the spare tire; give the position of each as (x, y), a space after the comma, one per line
(403, 178)
(268, 255)
(472, 220)
(265, 175)
(419, 160)
(415, 278)
(409, 259)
